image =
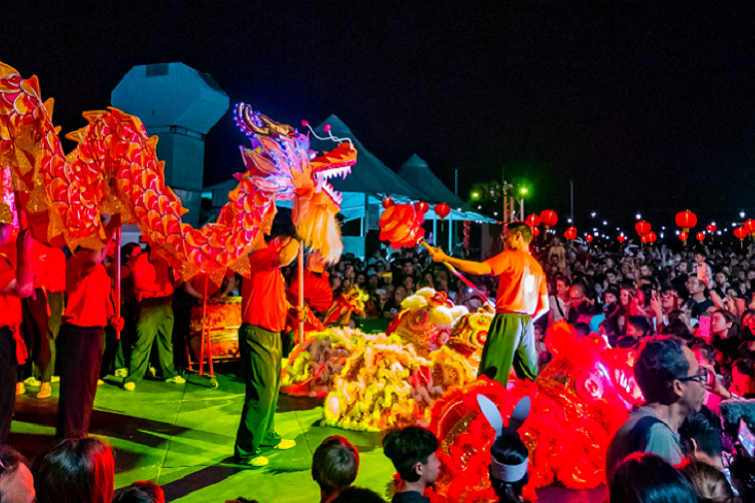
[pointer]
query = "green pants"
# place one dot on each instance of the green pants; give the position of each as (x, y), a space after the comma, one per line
(41, 329)
(511, 341)
(261, 357)
(155, 322)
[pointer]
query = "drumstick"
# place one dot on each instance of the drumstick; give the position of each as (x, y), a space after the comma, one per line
(457, 274)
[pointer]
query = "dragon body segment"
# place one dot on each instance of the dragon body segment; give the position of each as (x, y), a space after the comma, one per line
(114, 170)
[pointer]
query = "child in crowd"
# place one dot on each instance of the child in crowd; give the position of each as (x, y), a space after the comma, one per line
(412, 452)
(334, 467)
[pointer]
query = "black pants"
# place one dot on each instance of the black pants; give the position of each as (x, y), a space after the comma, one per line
(8, 364)
(80, 357)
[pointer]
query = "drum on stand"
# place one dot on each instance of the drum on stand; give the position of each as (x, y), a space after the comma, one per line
(223, 322)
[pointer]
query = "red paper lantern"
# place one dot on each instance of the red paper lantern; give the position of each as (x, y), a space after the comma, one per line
(749, 226)
(711, 228)
(642, 227)
(549, 218)
(535, 232)
(684, 237)
(650, 237)
(533, 220)
(571, 233)
(700, 236)
(388, 202)
(589, 238)
(741, 233)
(622, 238)
(686, 220)
(442, 210)
(421, 206)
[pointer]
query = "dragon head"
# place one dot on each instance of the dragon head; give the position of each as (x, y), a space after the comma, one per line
(281, 164)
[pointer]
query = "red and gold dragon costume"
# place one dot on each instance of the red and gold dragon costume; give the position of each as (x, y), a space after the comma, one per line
(114, 170)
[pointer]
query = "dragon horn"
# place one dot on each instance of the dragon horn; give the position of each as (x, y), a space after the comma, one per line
(271, 127)
(244, 113)
(276, 127)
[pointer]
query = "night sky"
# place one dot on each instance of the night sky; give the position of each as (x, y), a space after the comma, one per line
(647, 108)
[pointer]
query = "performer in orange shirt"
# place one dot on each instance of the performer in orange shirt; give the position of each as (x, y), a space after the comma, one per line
(89, 310)
(15, 283)
(522, 298)
(43, 313)
(154, 292)
(263, 315)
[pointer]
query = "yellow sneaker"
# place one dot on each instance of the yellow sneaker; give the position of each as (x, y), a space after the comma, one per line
(257, 462)
(55, 379)
(285, 444)
(20, 388)
(129, 386)
(32, 382)
(176, 380)
(100, 382)
(45, 391)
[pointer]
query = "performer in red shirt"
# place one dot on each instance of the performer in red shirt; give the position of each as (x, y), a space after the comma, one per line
(318, 297)
(263, 315)
(43, 313)
(118, 351)
(153, 288)
(522, 298)
(15, 283)
(88, 311)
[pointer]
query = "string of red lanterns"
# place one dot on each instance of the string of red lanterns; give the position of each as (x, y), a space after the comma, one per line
(685, 220)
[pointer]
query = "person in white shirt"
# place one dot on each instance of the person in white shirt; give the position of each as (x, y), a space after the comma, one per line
(559, 303)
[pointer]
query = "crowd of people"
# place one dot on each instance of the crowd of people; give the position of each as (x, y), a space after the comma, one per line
(624, 295)
(689, 314)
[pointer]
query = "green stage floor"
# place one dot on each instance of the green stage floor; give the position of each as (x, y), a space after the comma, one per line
(181, 437)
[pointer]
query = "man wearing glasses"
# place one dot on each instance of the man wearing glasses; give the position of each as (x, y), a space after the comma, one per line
(673, 384)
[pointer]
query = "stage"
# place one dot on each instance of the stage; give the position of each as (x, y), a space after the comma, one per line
(181, 437)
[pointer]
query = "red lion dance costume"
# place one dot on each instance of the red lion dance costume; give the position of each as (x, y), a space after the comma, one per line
(578, 402)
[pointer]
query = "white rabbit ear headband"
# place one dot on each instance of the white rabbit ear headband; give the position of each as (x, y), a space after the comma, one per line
(503, 472)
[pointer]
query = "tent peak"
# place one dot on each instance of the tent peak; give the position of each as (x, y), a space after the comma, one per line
(336, 124)
(415, 161)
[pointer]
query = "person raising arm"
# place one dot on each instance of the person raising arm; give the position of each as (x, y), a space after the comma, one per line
(521, 299)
